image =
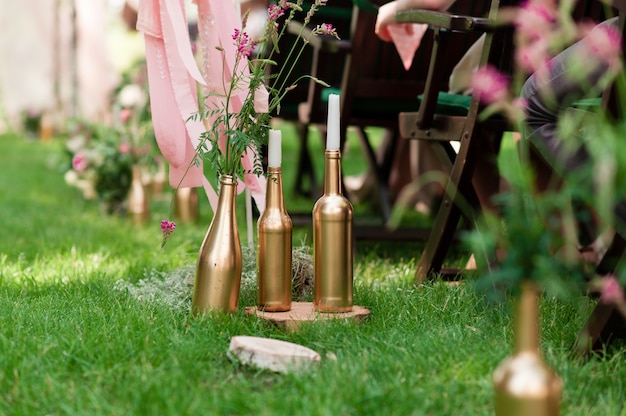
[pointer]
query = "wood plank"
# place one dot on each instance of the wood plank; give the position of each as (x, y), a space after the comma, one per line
(302, 312)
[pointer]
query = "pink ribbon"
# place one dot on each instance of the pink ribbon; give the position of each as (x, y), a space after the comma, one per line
(217, 21)
(407, 38)
(173, 77)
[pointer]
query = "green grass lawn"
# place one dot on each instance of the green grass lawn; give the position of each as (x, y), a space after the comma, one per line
(72, 342)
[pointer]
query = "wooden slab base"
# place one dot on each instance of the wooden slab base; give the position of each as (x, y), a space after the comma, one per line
(272, 354)
(303, 312)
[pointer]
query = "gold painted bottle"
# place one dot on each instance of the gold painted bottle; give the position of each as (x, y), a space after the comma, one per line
(274, 230)
(219, 266)
(138, 200)
(186, 205)
(332, 242)
(159, 179)
(524, 384)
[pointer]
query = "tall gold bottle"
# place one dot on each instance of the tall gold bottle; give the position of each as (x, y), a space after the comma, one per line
(524, 384)
(218, 271)
(332, 242)
(138, 199)
(274, 230)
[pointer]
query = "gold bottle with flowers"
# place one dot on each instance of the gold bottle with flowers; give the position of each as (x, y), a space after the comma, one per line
(220, 261)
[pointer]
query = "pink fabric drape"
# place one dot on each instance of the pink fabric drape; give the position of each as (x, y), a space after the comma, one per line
(407, 42)
(174, 77)
(217, 20)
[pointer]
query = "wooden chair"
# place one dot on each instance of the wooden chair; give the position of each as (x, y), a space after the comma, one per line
(478, 139)
(375, 88)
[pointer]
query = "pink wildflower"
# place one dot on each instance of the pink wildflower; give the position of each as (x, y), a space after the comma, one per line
(125, 115)
(327, 29)
(535, 19)
(611, 291)
(245, 45)
(489, 85)
(236, 34)
(533, 56)
(124, 148)
(605, 43)
(520, 103)
(167, 228)
(274, 12)
(79, 163)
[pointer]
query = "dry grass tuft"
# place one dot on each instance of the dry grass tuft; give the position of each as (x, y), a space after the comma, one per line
(176, 287)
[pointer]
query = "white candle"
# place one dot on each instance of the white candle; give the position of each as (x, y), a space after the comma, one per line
(274, 151)
(332, 129)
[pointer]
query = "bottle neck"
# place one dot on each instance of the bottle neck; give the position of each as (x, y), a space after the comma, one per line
(527, 319)
(136, 171)
(274, 195)
(332, 172)
(227, 194)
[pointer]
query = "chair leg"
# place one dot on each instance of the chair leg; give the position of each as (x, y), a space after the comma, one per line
(605, 322)
(614, 253)
(306, 169)
(379, 170)
(459, 200)
(446, 222)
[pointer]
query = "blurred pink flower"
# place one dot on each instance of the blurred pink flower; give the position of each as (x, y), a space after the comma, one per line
(125, 115)
(611, 291)
(605, 43)
(489, 85)
(80, 163)
(535, 19)
(520, 103)
(327, 29)
(532, 56)
(124, 148)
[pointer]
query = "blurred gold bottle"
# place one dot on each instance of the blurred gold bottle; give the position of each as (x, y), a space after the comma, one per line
(138, 198)
(274, 230)
(332, 242)
(46, 126)
(186, 205)
(524, 384)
